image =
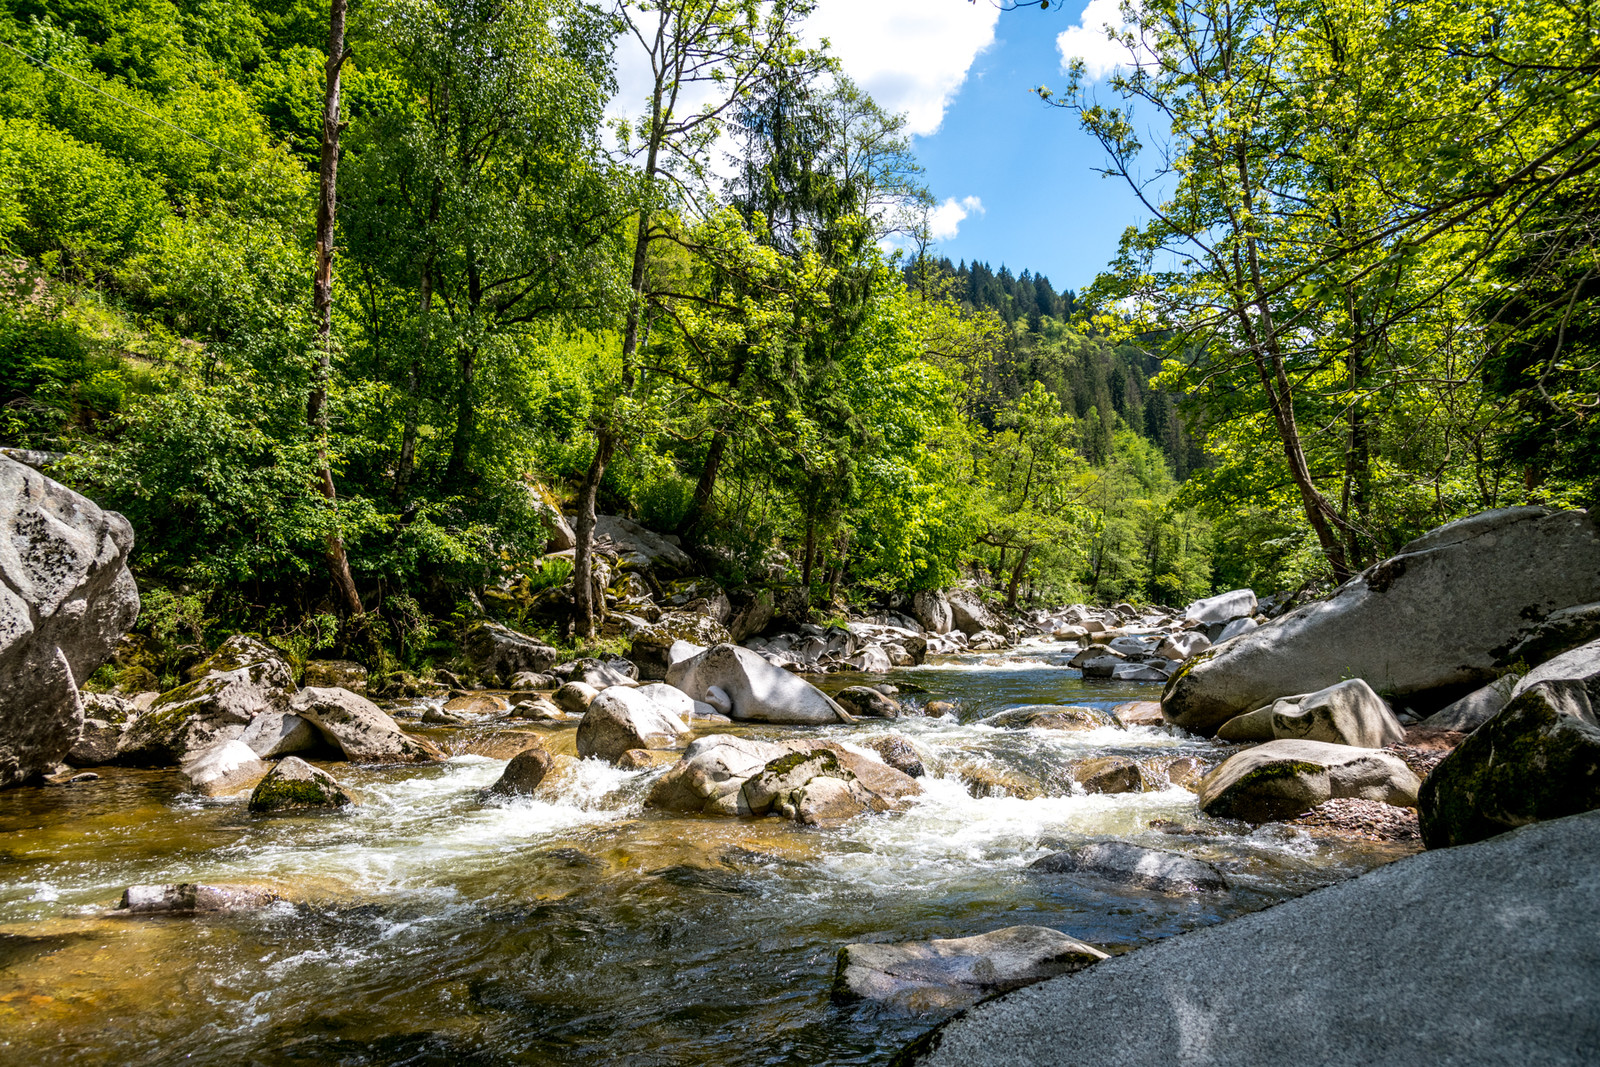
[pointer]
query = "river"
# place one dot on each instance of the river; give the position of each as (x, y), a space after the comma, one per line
(426, 928)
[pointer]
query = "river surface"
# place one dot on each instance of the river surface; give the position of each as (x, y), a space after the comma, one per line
(427, 928)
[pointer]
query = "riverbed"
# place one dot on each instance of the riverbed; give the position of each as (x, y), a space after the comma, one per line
(425, 927)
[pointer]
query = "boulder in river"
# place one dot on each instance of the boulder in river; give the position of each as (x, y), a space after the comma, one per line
(740, 684)
(1281, 779)
(361, 730)
(66, 599)
(1183, 645)
(224, 768)
(524, 772)
(96, 744)
(711, 776)
(1146, 868)
(575, 697)
(948, 973)
(865, 702)
(1109, 774)
(295, 784)
(280, 733)
(1222, 608)
(1537, 759)
(1050, 717)
(1138, 713)
(1436, 618)
(898, 753)
(621, 718)
(244, 678)
(1348, 713)
(191, 898)
(933, 612)
(812, 787)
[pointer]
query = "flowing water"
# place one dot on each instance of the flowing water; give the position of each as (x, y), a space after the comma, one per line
(427, 928)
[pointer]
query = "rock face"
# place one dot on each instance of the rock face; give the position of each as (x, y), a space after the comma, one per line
(500, 653)
(621, 718)
(1376, 970)
(947, 973)
(1281, 779)
(1440, 615)
(66, 598)
(1147, 868)
(1538, 759)
(968, 614)
(1349, 713)
(933, 612)
(295, 784)
(639, 548)
(244, 678)
(360, 728)
(739, 683)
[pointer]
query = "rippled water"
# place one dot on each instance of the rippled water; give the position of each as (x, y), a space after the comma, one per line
(424, 927)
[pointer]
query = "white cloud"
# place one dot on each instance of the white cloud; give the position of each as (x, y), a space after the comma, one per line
(911, 55)
(946, 219)
(1090, 42)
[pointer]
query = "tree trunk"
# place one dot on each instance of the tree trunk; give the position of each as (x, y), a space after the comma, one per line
(583, 607)
(707, 486)
(1016, 578)
(810, 553)
(322, 310)
(408, 438)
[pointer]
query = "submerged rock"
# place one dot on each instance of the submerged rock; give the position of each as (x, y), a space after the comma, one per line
(1147, 868)
(1281, 779)
(1050, 717)
(191, 898)
(898, 753)
(1537, 759)
(66, 598)
(865, 702)
(1437, 616)
(295, 784)
(947, 973)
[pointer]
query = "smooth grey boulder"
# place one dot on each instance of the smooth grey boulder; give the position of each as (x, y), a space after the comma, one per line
(1474, 709)
(1109, 774)
(740, 684)
(675, 701)
(933, 612)
(622, 718)
(1146, 868)
(1537, 759)
(295, 784)
(605, 676)
(1049, 717)
(226, 767)
(1235, 628)
(1348, 713)
(1581, 666)
(969, 614)
(865, 702)
(524, 772)
(279, 733)
(500, 653)
(1437, 616)
(244, 678)
(1224, 607)
(1253, 727)
(96, 744)
(575, 697)
(1560, 631)
(66, 598)
(1281, 779)
(1181, 646)
(871, 660)
(1135, 672)
(948, 973)
(1376, 970)
(359, 728)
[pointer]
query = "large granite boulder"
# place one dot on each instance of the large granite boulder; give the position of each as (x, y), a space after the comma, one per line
(969, 614)
(360, 729)
(740, 684)
(500, 653)
(244, 678)
(1580, 666)
(1144, 868)
(1474, 709)
(622, 718)
(1281, 779)
(933, 612)
(641, 549)
(948, 973)
(66, 598)
(279, 733)
(1222, 608)
(713, 773)
(226, 767)
(1537, 759)
(1474, 956)
(1439, 616)
(1348, 713)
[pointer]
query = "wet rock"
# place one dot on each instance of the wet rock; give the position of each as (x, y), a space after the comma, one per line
(1537, 759)
(1109, 774)
(190, 898)
(575, 697)
(898, 753)
(360, 729)
(479, 704)
(940, 708)
(865, 702)
(96, 744)
(1138, 713)
(1184, 771)
(711, 776)
(1281, 779)
(1146, 868)
(1050, 717)
(66, 599)
(985, 779)
(1224, 607)
(499, 653)
(538, 709)
(1130, 672)
(739, 683)
(280, 733)
(335, 673)
(440, 717)
(1474, 709)
(810, 787)
(1348, 713)
(621, 718)
(1437, 616)
(294, 785)
(523, 774)
(1094, 652)
(948, 973)
(933, 612)
(644, 759)
(224, 768)
(244, 678)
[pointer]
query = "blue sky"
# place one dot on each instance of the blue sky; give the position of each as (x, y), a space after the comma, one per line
(1029, 165)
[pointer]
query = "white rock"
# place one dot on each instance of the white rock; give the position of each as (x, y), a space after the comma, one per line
(753, 689)
(1223, 607)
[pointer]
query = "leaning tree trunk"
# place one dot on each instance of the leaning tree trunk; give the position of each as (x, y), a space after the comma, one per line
(322, 307)
(583, 555)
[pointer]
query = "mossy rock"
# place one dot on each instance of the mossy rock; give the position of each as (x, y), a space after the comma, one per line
(295, 784)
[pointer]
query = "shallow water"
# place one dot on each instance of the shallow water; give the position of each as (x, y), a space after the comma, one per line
(427, 928)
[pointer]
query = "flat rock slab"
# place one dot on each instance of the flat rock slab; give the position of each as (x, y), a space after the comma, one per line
(1484, 954)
